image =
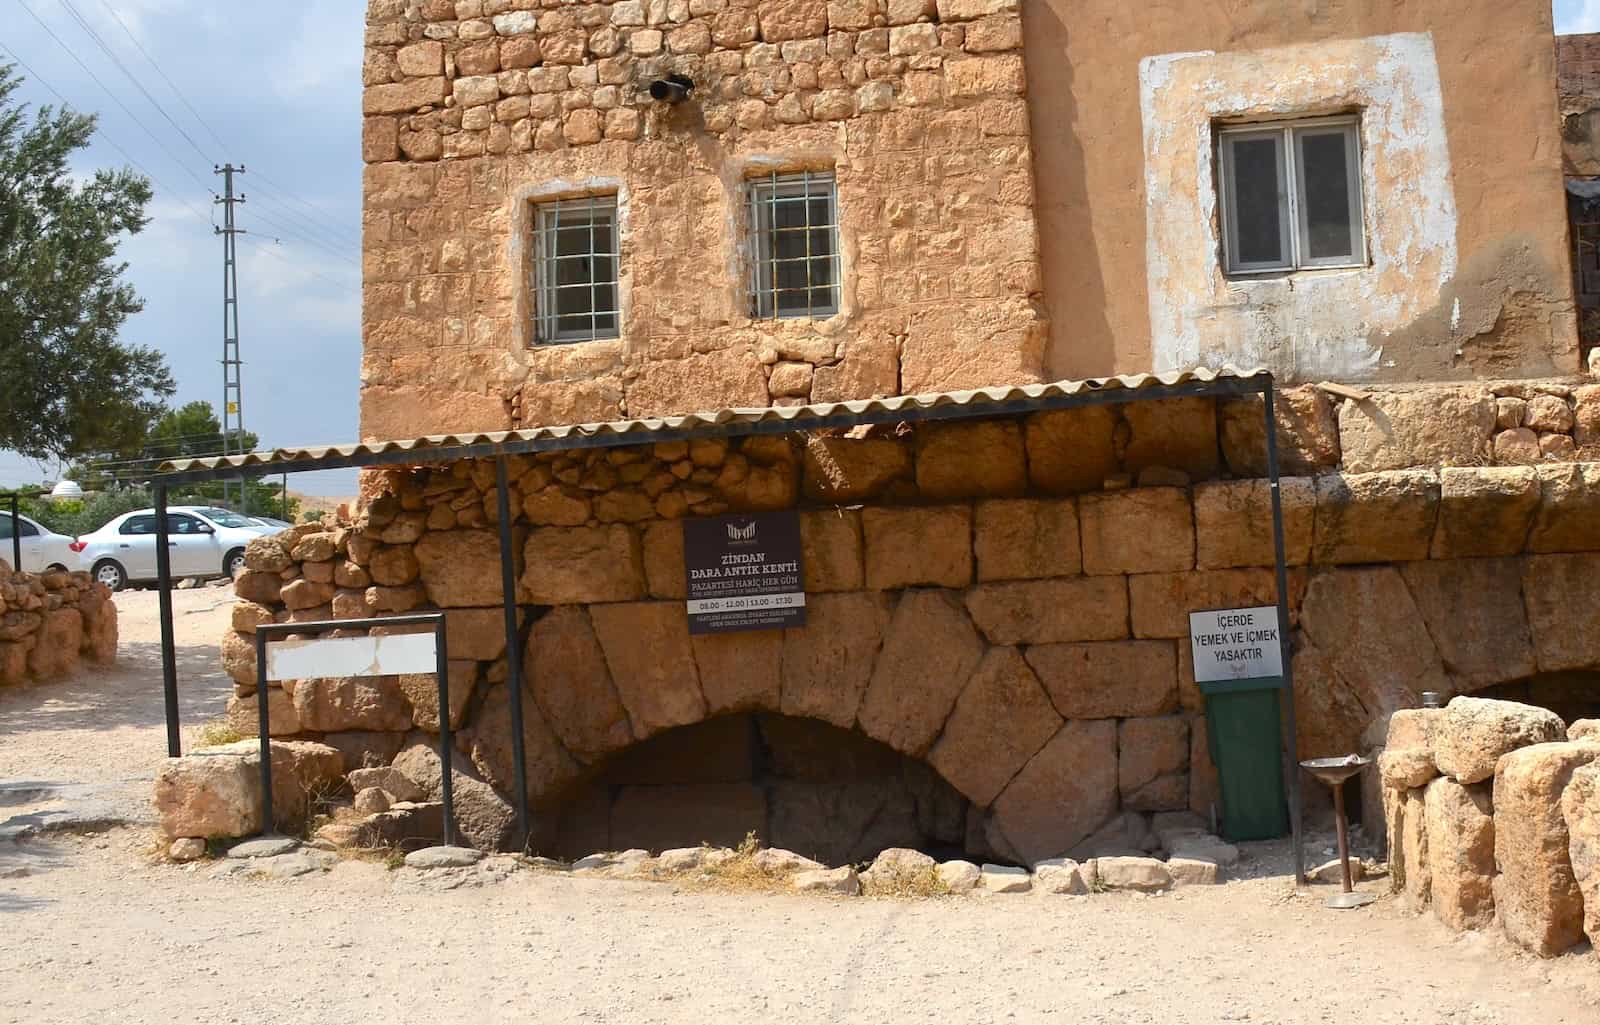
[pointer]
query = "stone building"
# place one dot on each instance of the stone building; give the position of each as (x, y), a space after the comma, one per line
(590, 212)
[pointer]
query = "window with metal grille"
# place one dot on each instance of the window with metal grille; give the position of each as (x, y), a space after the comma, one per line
(1291, 195)
(575, 260)
(796, 245)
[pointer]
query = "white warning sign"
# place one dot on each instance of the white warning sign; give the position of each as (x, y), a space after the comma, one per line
(1235, 644)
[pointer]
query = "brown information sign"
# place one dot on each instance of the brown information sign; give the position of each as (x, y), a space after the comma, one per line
(744, 573)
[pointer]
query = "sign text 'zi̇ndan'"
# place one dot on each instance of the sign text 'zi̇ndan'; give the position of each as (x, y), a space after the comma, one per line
(744, 573)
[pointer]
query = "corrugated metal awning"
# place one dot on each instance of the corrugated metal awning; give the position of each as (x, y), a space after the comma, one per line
(958, 405)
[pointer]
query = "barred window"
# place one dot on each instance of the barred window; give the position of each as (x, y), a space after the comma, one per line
(796, 245)
(575, 270)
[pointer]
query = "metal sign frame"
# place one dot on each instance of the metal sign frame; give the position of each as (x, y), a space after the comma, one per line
(268, 633)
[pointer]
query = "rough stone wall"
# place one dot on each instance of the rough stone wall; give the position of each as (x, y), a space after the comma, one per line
(1578, 89)
(475, 108)
(1506, 308)
(995, 598)
(51, 621)
(1493, 811)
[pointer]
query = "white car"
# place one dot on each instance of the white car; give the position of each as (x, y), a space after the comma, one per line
(41, 549)
(204, 542)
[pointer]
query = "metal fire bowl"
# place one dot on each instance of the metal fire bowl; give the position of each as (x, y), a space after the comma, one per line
(1349, 901)
(1334, 771)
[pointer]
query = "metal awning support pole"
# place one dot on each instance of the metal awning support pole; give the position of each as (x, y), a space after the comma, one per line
(508, 589)
(16, 533)
(1279, 561)
(169, 657)
(264, 735)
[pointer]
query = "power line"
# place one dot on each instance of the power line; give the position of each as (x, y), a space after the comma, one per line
(170, 84)
(118, 100)
(67, 104)
(268, 251)
(273, 186)
(291, 234)
(319, 228)
(83, 23)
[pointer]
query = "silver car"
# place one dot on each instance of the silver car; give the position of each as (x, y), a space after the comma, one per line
(42, 549)
(204, 542)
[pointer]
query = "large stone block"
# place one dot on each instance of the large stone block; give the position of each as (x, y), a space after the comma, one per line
(351, 703)
(1536, 894)
(661, 548)
(1153, 763)
(929, 652)
(828, 662)
(1329, 717)
(1072, 450)
(844, 470)
(1365, 621)
(1051, 611)
(782, 20)
(577, 565)
(1580, 809)
(1431, 426)
(484, 818)
(549, 769)
(1109, 680)
(461, 567)
(1568, 519)
(1414, 728)
(1460, 822)
(740, 671)
(1562, 593)
(975, 459)
(831, 547)
(1177, 434)
(422, 692)
(1233, 522)
(476, 634)
(727, 379)
(1308, 433)
(1001, 719)
(1474, 613)
(244, 715)
(216, 792)
(1063, 794)
(57, 643)
(1416, 884)
(910, 547)
(652, 663)
(1144, 530)
(1161, 602)
(568, 678)
(1484, 510)
(1476, 733)
(1375, 517)
(1025, 539)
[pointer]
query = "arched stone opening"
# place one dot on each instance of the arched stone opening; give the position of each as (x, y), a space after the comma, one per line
(831, 794)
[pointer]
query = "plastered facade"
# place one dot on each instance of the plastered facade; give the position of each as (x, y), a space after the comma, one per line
(475, 110)
(1503, 309)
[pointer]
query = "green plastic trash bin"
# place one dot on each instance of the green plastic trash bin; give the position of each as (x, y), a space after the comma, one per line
(1245, 728)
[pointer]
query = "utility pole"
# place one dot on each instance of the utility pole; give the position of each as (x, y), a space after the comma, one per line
(232, 366)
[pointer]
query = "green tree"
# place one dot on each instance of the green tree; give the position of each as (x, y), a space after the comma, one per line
(70, 385)
(190, 431)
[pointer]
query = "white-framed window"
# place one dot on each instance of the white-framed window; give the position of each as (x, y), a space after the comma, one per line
(795, 245)
(1291, 195)
(575, 261)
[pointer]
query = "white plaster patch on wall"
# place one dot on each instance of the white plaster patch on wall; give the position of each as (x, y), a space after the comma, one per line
(1310, 324)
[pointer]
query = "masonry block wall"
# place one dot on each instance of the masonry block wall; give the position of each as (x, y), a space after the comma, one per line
(477, 109)
(1005, 600)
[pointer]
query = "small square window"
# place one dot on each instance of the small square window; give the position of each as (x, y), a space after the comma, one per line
(575, 259)
(1291, 196)
(796, 246)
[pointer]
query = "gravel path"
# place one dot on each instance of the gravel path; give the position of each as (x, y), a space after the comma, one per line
(97, 928)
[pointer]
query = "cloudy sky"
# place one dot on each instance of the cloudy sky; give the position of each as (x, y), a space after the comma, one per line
(275, 87)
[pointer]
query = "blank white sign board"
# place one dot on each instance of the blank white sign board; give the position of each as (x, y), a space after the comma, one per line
(319, 658)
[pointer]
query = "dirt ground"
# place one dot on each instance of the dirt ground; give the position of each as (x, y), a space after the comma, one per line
(98, 928)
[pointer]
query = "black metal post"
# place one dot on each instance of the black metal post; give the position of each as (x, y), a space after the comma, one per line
(508, 591)
(1279, 559)
(264, 732)
(446, 783)
(169, 658)
(16, 533)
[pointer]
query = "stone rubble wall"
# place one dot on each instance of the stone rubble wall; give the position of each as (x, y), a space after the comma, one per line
(50, 622)
(1493, 812)
(994, 597)
(476, 109)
